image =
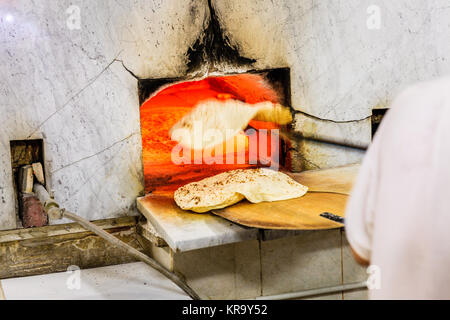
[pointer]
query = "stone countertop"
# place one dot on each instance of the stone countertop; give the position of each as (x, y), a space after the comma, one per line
(185, 231)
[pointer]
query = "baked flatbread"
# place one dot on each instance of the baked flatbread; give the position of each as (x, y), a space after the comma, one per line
(225, 189)
(212, 122)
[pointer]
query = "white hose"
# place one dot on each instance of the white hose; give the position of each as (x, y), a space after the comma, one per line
(54, 212)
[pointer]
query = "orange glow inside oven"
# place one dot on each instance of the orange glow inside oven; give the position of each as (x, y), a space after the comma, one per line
(161, 111)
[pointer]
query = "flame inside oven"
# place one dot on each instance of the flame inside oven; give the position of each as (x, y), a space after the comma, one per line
(161, 111)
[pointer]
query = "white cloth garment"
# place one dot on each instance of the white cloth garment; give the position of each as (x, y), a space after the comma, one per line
(398, 215)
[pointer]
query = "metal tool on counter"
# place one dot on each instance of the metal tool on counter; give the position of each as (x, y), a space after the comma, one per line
(333, 217)
(54, 212)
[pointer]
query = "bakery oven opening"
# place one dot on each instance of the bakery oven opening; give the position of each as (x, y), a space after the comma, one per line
(165, 101)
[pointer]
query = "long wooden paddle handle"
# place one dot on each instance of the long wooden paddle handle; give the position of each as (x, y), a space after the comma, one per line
(274, 113)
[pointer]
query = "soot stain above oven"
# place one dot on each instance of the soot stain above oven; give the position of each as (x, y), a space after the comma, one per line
(214, 48)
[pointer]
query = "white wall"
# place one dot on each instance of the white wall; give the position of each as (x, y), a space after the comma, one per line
(66, 86)
(341, 69)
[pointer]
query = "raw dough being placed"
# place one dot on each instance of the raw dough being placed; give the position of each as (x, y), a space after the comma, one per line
(225, 189)
(213, 122)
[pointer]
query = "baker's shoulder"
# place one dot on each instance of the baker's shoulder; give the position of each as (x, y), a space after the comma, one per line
(427, 90)
(422, 96)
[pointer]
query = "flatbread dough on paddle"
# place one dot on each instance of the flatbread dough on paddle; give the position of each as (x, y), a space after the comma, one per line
(225, 189)
(212, 122)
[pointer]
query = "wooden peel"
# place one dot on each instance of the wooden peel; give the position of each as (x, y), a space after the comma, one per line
(333, 180)
(328, 193)
(295, 214)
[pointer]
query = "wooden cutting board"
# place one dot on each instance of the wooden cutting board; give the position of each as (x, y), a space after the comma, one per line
(295, 214)
(335, 180)
(328, 191)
